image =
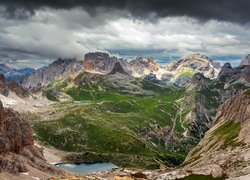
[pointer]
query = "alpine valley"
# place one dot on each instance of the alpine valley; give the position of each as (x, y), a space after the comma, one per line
(188, 119)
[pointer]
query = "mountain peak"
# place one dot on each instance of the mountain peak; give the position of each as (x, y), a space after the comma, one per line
(118, 69)
(245, 61)
(198, 63)
(227, 65)
(143, 66)
(96, 56)
(58, 69)
(99, 62)
(62, 61)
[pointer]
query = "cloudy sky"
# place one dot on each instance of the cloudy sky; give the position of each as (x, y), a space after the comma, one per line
(33, 33)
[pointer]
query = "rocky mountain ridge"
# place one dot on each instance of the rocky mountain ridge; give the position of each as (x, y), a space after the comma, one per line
(58, 69)
(6, 87)
(15, 74)
(179, 73)
(103, 63)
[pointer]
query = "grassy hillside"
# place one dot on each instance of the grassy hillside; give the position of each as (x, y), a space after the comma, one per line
(110, 124)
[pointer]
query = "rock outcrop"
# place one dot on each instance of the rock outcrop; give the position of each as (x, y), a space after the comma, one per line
(58, 69)
(229, 76)
(100, 62)
(144, 66)
(118, 69)
(245, 61)
(15, 132)
(17, 151)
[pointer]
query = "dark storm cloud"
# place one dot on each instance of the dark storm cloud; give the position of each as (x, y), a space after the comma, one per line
(224, 10)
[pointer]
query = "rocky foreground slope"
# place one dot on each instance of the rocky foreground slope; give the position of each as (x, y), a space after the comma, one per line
(18, 154)
(225, 149)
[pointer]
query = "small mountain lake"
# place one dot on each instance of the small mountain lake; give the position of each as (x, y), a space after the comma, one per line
(86, 168)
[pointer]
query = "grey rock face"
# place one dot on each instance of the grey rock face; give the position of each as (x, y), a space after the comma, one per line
(58, 69)
(153, 79)
(143, 66)
(102, 62)
(245, 61)
(229, 75)
(118, 69)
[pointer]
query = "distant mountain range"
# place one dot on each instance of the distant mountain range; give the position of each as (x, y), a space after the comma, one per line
(178, 73)
(15, 74)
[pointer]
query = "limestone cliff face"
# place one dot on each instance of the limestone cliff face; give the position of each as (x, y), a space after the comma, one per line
(229, 75)
(237, 109)
(200, 114)
(100, 62)
(118, 69)
(224, 150)
(56, 70)
(15, 132)
(144, 66)
(17, 151)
